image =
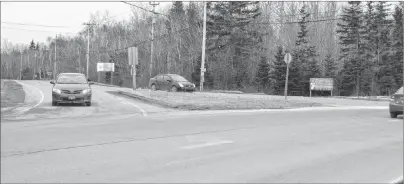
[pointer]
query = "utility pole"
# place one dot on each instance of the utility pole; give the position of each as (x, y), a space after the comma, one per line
(88, 46)
(78, 52)
(54, 62)
(154, 4)
(203, 69)
(21, 65)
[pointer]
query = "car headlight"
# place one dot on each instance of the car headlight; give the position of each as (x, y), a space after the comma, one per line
(86, 91)
(181, 85)
(193, 85)
(56, 90)
(391, 98)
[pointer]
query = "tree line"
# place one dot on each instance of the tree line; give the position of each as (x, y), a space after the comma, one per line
(359, 44)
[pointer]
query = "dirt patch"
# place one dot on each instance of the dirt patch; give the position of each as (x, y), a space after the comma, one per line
(215, 101)
(12, 95)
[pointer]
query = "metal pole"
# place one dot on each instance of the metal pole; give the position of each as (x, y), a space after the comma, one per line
(21, 66)
(402, 10)
(112, 78)
(154, 4)
(286, 81)
(54, 63)
(88, 49)
(203, 48)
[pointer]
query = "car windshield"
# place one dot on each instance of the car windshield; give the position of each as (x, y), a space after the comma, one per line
(400, 91)
(178, 78)
(71, 79)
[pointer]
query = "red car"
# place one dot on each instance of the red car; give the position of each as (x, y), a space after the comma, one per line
(171, 82)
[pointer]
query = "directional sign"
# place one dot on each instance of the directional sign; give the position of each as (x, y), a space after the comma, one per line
(288, 58)
(105, 67)
(321, 84)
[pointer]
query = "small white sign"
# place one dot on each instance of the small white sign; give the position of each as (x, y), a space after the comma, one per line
(105, 67)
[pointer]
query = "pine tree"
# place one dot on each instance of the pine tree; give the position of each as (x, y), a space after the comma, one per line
(385, 75)
(305, 65)
(350, 39)
(397, 45)
(229, 31)
(368, 50)
(330, 67)
(262, 77)
(32, 45)
(279, 74)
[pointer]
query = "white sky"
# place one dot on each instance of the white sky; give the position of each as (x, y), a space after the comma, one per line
(69, 14)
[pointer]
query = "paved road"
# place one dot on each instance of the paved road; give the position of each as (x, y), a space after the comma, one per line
(39, 96)
(257, 147)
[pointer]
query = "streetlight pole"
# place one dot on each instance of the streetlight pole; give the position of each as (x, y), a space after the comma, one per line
(55, 63)
(203, 69)
(154, 4)
(88, 46)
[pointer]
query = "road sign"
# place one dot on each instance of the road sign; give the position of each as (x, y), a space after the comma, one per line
(321, 84)
(132, 56)
(288, 58)
(105, 67)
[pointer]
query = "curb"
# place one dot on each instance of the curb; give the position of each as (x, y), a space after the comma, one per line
(148, 100)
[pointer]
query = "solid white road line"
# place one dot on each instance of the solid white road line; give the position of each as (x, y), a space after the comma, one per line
(42, 98)
(144, 113)
(206, 144)
(397, 180)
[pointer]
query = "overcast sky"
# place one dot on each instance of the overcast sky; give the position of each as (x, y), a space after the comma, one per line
(71, 15)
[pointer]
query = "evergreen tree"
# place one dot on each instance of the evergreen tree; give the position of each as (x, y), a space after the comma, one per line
(230, 31)
(305, 65)
(279, 74)
(350, 39)
(385, 75)
(397, 45)
(330, 67)
(32, 45)
(368, 50)
(262, 77)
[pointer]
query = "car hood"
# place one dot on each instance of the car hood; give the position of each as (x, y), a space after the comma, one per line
(72, 86)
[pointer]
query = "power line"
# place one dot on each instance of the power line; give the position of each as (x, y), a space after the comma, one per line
(2, 27)
(25, 24)
(149, 40)
(146, 9)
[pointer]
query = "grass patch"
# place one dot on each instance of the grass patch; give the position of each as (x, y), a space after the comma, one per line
(12, 94)
(216, 101)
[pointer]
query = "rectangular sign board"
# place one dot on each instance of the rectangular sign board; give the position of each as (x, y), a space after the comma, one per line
(132, 56)
(105, 67)
(321, 84)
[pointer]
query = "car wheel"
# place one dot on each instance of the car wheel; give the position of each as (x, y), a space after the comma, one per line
(174, 89)
(88, 103)
(393, 115)
(54, 103)
(153, 87)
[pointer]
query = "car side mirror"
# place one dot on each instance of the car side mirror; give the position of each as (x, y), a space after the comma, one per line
(52, 82)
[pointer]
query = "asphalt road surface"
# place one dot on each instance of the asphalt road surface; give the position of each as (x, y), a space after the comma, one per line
(122, 140)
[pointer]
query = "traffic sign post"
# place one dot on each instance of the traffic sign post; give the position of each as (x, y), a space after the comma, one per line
(287, 59)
